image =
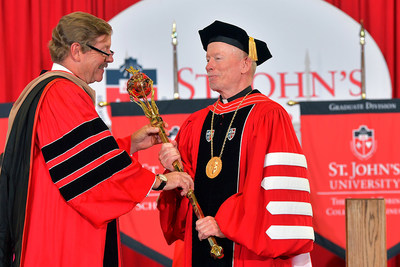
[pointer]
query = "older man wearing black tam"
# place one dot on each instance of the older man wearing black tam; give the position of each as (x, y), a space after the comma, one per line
(249, 170)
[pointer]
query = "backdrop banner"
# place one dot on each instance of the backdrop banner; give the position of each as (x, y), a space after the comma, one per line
(352, 150)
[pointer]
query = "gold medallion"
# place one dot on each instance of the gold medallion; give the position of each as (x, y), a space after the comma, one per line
(214, 167)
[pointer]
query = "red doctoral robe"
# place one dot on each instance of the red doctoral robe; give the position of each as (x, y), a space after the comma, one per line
(80, 181)
(269, 217)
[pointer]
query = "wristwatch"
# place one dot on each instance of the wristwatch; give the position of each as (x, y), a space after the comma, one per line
(163, 180)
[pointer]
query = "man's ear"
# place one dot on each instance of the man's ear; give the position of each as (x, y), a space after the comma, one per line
(76, 51)
(246, 64)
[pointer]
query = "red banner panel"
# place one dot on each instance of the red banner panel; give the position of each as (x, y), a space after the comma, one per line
(352, 150)
(140, 228)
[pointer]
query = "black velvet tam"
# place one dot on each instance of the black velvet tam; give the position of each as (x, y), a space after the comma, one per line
(220, 31)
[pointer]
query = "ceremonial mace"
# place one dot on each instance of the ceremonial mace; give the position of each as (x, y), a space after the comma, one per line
(139, 87)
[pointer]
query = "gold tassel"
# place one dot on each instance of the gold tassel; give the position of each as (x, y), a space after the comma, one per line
(252, 49)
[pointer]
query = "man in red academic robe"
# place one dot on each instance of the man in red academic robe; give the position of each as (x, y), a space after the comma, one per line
(64, 179)
(249, 171)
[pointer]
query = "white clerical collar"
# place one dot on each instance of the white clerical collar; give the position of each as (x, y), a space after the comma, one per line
(57, 66)
(242, 93)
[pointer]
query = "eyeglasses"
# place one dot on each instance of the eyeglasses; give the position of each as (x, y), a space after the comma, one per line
(101, 51)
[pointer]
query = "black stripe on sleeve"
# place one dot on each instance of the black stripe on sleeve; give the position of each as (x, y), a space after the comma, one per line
(95, 176)
(73, 138)
(83, 158)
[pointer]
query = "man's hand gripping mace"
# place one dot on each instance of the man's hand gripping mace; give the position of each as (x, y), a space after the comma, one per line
(139, 86)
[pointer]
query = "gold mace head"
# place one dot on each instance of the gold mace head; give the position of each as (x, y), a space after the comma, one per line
(139, 84)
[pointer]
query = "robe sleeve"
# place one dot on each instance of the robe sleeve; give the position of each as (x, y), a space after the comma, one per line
(173, 207)
(125, 144)
(93, 174)
(271, 215)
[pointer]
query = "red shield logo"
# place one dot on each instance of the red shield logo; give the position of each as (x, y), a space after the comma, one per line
(363, 144)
